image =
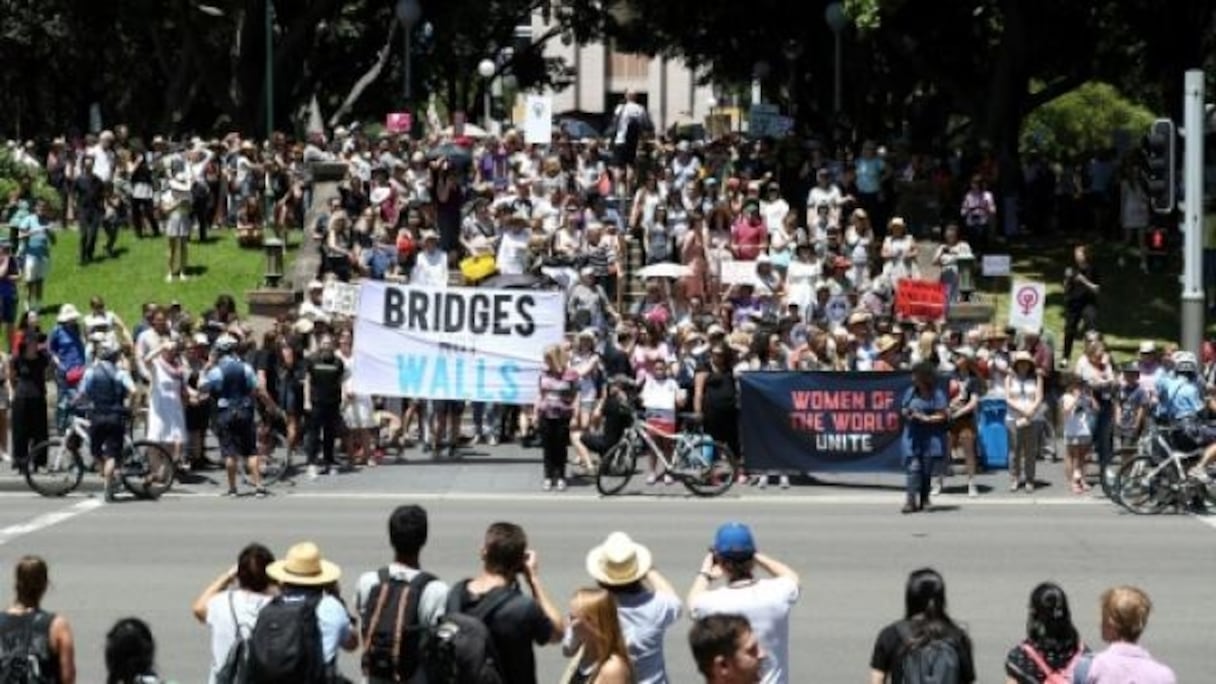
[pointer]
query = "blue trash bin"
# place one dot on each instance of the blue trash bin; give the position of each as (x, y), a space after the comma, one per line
(993, 435)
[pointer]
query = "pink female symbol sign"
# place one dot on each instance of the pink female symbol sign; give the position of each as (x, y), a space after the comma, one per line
(1027, 298)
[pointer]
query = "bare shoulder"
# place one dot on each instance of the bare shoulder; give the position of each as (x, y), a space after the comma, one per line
(614, 670)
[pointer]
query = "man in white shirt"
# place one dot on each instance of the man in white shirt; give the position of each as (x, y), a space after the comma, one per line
(513, 251)
(103, 157)
(431, 268)
(824, 192)
(766, 603)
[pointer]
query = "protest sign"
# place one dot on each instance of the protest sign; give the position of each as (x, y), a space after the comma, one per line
(398, 122)
(1026, 302)
(340, 298)
(464, 344)
(538, 120)
(822, 421)
(920, 300)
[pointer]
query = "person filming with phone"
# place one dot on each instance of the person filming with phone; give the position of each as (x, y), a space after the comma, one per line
(765, 602)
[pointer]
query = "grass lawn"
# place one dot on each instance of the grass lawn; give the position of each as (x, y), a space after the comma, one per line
(1133, 306)
(137, 274)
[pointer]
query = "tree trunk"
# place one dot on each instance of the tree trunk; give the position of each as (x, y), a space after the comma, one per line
(367, 78)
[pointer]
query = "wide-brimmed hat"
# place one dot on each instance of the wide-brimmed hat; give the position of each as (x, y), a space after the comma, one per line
(964, 353)
(304, 566)
(618, 561)
(1148, 347)
(886, 343)
(858, 318)
(1021, 357)
(68, 313)
(380, 195)
(428, 235)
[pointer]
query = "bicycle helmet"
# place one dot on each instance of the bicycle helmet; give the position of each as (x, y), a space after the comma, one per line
(108, 351)
(225, 344)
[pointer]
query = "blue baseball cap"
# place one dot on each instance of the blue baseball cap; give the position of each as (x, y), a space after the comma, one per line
(734, 541)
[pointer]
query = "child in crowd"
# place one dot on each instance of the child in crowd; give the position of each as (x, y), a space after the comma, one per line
(1080, 412)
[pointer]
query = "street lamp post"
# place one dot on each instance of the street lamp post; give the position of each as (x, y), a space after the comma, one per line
(792, 50)
(837, 21)
(408, 13)
(269, 69)
(486, 69)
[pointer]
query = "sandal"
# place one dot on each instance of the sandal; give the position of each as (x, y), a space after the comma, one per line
(1077, 487)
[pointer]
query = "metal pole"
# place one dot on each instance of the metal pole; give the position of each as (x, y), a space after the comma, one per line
(407, 88)
(1192, 214)
(486, 102)
(269, 68)
(836, 95)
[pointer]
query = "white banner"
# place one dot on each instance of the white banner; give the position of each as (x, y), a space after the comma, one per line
(538, 120)
(1026, 302)
(467, 344)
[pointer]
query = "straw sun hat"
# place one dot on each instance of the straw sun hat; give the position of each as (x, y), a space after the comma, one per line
(304, 567)
(618, 561)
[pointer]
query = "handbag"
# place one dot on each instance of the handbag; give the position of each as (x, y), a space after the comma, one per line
(604, 185)
(478, 268)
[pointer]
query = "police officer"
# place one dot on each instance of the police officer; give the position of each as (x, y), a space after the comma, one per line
(107, 389)
(1186, 406)
(234, 386)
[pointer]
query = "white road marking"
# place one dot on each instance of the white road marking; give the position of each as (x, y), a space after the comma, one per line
(46, 520)
(894, 498)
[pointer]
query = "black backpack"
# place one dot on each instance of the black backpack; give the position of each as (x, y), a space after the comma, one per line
(392, 636)
(238, 664)
(460, 650)
(25, 648)
(935, 661)
(285, 647)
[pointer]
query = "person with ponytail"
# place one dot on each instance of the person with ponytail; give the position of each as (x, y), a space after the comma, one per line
(926, 625)
(1052, 649)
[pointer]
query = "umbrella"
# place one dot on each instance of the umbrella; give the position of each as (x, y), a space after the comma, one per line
(665, 270)
(470, 131)
(457, 155)
(503, 281)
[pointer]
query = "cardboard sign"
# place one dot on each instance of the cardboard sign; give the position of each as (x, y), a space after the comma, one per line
(1027, 299)
(340, 298)
(996, 266)
(921, 300)
(398, 123)
(538, 120)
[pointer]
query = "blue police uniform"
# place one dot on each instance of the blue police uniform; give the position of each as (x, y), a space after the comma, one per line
(232, 382)
(107, 387)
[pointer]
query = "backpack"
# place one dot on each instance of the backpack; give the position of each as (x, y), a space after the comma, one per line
(238, 664)
(1050, 676)
(392, 636)
(285, 647)
(935, 661)
(25, 647)
(460, 650)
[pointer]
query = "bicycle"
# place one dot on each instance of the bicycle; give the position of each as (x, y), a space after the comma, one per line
(1159, 476)
(704, 466)
(56, 466)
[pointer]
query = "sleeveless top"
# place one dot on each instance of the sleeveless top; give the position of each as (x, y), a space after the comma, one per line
(30, 633)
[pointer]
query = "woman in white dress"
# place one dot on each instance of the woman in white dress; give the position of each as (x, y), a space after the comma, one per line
(803, 272)
(899, 252)
(357, 409)
(166, 408)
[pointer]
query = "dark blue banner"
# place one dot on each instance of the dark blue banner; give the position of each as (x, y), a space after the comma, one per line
(822, 421)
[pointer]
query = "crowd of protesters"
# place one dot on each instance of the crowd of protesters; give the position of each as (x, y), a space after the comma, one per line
(768, 255)
(739, 604)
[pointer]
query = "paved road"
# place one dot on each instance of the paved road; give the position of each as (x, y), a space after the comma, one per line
(850, 545)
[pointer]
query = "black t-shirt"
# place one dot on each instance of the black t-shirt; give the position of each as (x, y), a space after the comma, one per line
(617, 417)
(889, 651)
(1075, 293)
(325, 379)
(514, 626)
(266, 361)
(720, 393)
(29, 378)
(615, 362)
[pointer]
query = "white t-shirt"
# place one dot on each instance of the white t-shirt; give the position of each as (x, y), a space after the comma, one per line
(645, 617)
(513, 252)
(221, 609)
(431, 269)
(627, 113)
(766, 604)
(661, 398)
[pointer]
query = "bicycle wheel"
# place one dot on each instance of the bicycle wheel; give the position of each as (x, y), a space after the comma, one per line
(274, 462)
(616, 467)
(53, 469)
(1144, 488)
(1108, 477)
(147, 470)
(718, 477)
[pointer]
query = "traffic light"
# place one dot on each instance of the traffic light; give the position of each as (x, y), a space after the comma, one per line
(1160, 145)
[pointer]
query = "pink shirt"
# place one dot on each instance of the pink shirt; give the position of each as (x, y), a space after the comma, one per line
(1124, 663)
(748, 239)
